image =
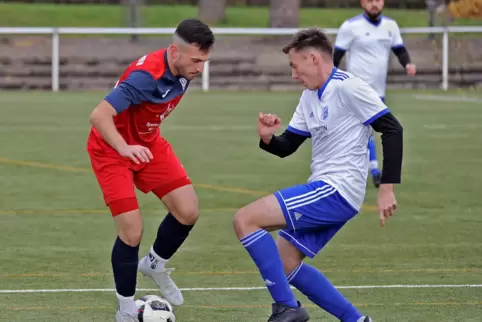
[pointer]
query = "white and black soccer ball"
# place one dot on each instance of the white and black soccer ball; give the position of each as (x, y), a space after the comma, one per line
(153, 308)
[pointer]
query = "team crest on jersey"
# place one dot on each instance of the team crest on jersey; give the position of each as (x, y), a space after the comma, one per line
(183, 82)
(325, 112)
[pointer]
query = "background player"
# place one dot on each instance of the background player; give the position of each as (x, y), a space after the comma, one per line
(126, 149)
(338, 111)
(369, 38)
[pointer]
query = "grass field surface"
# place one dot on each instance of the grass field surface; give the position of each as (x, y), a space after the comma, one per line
(56, 235)
(48, 15)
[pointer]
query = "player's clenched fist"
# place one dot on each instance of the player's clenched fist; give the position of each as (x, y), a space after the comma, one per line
(136, 153)
(268, 124)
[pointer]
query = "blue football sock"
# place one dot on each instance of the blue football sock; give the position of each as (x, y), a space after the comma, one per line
(373, 156)
(372, 148)
(262, 248)
(374, 171)
(312, 283)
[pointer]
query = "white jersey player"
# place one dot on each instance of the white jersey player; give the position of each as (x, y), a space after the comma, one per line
(369, 38)
(338, 111)
(337, 118)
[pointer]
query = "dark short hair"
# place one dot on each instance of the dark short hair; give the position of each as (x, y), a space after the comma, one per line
(195, 32)
(312, 37)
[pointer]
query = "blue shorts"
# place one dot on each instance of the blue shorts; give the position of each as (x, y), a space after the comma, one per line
(314, 213)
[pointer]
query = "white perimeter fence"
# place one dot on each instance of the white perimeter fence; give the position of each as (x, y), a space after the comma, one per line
(56, 32)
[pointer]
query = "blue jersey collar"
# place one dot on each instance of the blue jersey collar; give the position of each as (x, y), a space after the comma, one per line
(322, 89)
(375, 23)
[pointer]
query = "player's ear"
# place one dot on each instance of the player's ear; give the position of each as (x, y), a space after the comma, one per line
(175, 51)
(314, 58)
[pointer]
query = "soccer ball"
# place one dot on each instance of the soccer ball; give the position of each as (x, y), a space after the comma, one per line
(153, 308)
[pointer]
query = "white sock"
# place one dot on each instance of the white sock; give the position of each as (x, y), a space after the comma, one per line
(373, 164)
(156, 262)
(127, 304)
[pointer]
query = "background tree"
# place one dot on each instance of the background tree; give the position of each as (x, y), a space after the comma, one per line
(212, 11)
(284, 13)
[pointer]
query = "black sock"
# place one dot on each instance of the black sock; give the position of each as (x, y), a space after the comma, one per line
(124, 265)
(170, 236)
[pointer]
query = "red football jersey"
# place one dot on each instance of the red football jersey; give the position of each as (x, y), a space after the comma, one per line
(146, 93)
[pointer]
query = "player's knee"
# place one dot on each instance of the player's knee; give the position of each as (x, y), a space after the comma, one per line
(129, 227)
(187, 214)
(290, 265)
(290, 256)
(241, 222)
(131, 235)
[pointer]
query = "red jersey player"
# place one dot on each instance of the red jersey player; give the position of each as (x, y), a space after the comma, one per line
(127, 151)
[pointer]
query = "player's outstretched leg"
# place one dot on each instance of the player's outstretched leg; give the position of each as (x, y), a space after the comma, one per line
(311, 282)
(316, 212)
(172, 232)
(125, 256)
(251, 224)
(374, 171)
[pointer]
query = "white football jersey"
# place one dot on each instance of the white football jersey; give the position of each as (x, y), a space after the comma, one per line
(337, 118)
(368, 48)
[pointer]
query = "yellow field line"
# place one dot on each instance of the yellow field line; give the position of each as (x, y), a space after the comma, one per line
(85, 170)
(253, 272)
(81, 211)
(230, 189)
(244, 306)
(106, 211)
(52, 212)
(43, 165)
(199, 185)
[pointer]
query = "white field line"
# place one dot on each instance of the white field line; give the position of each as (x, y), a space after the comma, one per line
(253, 288)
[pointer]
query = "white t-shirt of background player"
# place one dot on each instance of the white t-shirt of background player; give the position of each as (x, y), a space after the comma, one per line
(337, 118)
(368, 48)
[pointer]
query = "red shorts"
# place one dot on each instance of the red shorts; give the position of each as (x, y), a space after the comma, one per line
(117, 176)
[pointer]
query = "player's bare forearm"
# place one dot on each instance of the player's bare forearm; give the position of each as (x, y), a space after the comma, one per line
(267, 139)
(392, 143)
(101, 119)
(386, 187)
(282, 145)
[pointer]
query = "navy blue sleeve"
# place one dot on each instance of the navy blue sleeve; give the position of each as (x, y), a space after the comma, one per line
(392, 143)
(402, 54)
(338, 54)
(284, 144)
(139, 86)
